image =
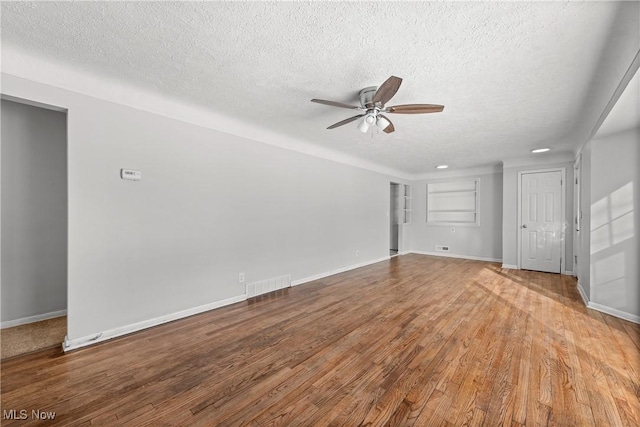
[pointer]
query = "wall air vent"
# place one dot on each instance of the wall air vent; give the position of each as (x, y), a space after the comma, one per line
(268, 285)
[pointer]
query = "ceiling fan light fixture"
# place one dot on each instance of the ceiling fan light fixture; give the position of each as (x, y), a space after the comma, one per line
(370, 119)
(363, 126)
(382, 123)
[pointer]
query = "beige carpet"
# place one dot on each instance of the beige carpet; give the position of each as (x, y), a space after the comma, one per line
(33, 336)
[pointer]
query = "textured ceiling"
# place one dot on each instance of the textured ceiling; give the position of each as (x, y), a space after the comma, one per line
(512, 76)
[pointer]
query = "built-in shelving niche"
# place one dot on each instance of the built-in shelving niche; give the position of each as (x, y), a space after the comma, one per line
(406, 204)
(453, 202)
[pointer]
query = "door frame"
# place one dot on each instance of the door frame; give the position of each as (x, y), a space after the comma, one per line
(563, 195)
(576, 225)
(398, 186)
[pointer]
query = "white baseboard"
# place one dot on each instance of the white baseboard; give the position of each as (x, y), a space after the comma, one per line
(76, 343)
(444, 254)
(583, 294)
(614, 312)
(31, 319)
(607, 310)
(337, 271)
(73, 344)
(515, 267)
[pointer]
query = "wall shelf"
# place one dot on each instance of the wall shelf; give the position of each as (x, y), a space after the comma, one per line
(454, 210)
(451, 192)
(406, 207)
(453, 202)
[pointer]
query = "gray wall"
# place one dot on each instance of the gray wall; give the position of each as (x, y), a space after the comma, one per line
(394, 216)
(510, 213)
(209, 205)
(615, 221)
(484, 241)
(34, 211)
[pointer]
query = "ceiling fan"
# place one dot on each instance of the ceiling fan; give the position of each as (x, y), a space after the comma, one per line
(372, 105)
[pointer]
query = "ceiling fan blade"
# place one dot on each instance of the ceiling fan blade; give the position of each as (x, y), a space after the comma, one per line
(415, 109)
(387, 90)
(390, 127)
(345, 121)
(335, 104)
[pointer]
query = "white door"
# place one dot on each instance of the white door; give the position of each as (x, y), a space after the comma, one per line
(541, 221)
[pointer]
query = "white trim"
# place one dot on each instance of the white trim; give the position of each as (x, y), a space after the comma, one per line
(31, 319)
(471, 257)
(614, 312)
(540, 160)
(72, 344)
(628, 75)
(32, 103)
(583, 294)
(510, 267)
(458, 173)
(567, 272)
(605, 309)
(563, 202)
(337, 271)
(76, 343)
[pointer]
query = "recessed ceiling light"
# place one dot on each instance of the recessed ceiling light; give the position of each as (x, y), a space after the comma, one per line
(442, 166)
(540, 150)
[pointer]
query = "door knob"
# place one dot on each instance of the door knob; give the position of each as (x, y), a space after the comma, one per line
(524, 225)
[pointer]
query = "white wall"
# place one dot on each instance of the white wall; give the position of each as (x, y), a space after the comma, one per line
(510, 212)
(609, 247)
(615, 221)
(584, 235)
(34, 211)
(209, 205)
(483, 241)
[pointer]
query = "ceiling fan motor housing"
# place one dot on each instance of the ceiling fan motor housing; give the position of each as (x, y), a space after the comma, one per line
(366, 96)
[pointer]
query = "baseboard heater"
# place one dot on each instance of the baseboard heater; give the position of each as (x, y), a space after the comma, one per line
(268, 285)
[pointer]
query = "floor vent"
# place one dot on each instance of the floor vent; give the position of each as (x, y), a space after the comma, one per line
(268, 285)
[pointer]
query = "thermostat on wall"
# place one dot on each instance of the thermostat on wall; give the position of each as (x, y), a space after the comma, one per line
(130, 174)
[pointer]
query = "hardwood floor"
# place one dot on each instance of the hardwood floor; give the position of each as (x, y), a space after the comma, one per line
(416, 340)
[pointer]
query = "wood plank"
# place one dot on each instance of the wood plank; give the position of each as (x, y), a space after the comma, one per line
(415, 340)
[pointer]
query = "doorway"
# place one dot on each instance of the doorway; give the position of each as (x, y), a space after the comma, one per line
(541, 220)
(34, 205)
(394, 218)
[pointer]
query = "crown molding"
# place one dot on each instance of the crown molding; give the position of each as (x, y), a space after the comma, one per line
(444, 174)
(628, 76)
(540, 159)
